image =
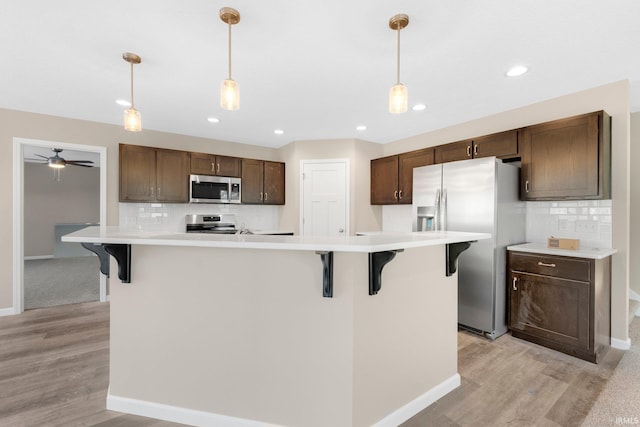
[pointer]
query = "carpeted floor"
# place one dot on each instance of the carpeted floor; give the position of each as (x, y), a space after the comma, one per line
(619, 402)
(58, 281)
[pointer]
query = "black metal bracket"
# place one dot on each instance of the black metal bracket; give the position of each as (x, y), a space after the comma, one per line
(453, 251)
(103, 256)
(327, 273)
(377, 260)
(122, 254)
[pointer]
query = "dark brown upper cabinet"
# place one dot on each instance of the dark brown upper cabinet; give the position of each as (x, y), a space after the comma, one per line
(263, 182)
(503, 145)
(567, 159)
(149, 174)
(211, 164)
(392, 176)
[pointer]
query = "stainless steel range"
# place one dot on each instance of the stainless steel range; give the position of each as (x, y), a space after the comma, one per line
(214, 223)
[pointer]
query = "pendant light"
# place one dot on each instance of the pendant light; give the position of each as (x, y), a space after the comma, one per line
(229, 90)
(399, 94)
(132, 120)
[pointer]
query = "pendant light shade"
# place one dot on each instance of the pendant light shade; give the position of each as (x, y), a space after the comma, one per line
(398, 98)
(229, 89)
(132, 119)
(399, 94)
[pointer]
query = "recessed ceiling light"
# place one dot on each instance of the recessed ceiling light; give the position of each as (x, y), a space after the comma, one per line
(213, 120)
(123, 102)
(516, 71)
(361, 128)
(419, 107)
(278, 131)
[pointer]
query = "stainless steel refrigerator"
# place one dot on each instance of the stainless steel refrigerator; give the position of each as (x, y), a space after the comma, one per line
(477, 195)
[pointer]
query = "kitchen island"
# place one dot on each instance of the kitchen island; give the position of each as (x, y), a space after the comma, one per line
(246, 330)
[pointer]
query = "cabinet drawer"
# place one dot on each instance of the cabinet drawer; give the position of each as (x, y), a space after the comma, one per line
(556, 266)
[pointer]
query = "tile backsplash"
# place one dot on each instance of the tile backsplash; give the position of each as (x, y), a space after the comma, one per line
(170, 216)
(587, 220)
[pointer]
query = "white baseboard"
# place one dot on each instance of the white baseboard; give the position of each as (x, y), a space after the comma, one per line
(29, 258)
(621, 344)
(177, 414)
(419, 403)
(192, 417)
(7, 311)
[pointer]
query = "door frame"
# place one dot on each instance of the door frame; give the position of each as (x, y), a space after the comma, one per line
(18, 209)
(347, 180)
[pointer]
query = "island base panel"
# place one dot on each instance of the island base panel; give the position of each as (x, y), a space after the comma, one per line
(246, 333)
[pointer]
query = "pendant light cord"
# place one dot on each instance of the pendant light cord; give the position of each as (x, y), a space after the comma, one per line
(398, 69)
(132, 85)
(229, 48)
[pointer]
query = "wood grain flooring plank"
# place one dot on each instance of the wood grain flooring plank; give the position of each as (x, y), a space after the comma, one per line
(54, 371)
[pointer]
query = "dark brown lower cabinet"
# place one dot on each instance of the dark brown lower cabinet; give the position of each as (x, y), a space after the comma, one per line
(561, 302)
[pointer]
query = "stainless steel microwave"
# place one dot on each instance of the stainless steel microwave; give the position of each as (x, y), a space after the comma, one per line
(214, 189)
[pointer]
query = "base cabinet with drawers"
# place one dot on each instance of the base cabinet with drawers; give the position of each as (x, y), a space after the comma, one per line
(561, 302)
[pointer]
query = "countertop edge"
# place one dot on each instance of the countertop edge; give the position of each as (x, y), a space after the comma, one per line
(539, 248)
(112, 235)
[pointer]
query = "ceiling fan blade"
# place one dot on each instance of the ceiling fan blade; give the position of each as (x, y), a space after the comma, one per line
(46, 158)
(79, 164)
(36, 160)
(79, 161)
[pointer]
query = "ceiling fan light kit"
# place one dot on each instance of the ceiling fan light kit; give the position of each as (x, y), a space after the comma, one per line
(229, 89)
(399, 94)
(132, 118)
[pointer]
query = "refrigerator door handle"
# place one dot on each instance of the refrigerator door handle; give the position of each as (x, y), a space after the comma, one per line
(436, 223)
(443, 210)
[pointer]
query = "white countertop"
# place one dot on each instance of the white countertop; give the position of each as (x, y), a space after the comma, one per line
(374, 243)
(541, 248)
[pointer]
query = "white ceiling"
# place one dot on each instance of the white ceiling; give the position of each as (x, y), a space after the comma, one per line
(314, 69)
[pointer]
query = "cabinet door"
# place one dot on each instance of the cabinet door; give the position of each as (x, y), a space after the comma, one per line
(273, 183)
(384, 181)
(460, 150)
(172, 176)
(406, 163)
(228, 166)
(252, 178)
(203, 164)
(137, 173)
(561, 160)
(550, 308)
(503, 145)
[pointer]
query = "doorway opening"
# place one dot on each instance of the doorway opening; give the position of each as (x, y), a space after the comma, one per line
(49, 203)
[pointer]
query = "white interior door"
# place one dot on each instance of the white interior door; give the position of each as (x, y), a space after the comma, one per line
(324, 198)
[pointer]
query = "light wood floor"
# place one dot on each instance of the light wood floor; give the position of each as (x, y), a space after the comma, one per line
(54, 365)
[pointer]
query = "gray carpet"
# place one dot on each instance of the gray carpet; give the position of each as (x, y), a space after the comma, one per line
(619, 402)
(58, 281)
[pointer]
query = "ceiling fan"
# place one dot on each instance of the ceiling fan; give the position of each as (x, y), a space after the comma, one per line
(56, 161)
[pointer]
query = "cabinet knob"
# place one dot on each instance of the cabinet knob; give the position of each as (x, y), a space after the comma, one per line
(218, 172)
(341, 230)
(475, 149)
(468, 150)
(526, 186)
(395, 194)
(400, 194)
(513, 285)
(213, 165)
(266, 196)
(261, 196)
